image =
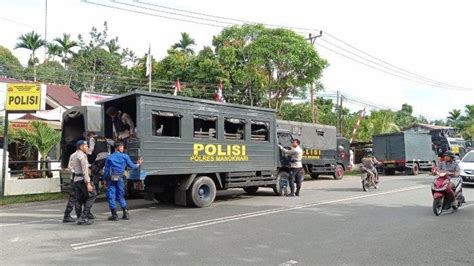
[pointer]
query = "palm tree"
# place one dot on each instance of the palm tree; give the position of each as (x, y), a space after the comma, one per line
(40, 137)
(454, 116)
(31, 41)
(66, 44)
(112, 46)
(53, 50)
(184, 45)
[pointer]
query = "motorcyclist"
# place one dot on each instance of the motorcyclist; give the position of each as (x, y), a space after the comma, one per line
(368, 165)
(452, 167)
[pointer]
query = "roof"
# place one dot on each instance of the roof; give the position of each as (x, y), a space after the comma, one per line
(182, 98)
(428, 126)
(62, 94)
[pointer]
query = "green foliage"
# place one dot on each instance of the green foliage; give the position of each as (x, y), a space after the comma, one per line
(31, 41)
(9, 64)
(463, 121)
(40, 137)
(66, 44)
(184, 44)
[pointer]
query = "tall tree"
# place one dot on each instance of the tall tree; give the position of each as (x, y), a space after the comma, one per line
(53, 51)
(184, 44)
(454, 116)
(31, 41)
(289, 61)
(9, 65)
(66, 44)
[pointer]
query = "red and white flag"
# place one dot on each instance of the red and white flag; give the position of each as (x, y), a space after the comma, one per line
(177, 87)
(219, 97)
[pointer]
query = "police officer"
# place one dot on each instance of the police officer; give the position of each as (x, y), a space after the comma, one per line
(71, 204)
(84, 189)
(296, 172)
(114, 173)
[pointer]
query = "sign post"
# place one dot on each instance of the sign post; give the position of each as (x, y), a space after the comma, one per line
(21, 98)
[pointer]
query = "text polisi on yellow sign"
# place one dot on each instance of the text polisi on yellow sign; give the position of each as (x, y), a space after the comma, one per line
(23, 97)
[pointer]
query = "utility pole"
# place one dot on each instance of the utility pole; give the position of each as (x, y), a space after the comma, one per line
(312, 39)
(341, 130)
(338, 122)
(46, 27)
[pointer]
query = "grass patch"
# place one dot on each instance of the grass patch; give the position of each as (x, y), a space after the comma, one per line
(7, 200)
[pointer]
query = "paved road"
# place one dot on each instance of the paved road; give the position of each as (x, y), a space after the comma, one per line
(332, 223)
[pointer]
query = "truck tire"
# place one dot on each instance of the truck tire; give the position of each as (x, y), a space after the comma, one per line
(413, 171)
(338, 172)
(314, 175)
(202, 192)
(281, 186)
(251, 190)
(389, 171)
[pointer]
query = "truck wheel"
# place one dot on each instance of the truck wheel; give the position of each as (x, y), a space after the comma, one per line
(202, 192)
(413, 171)
(314, 175)
(338, 173)
(251, 190)
(282, 183)
(389, 171)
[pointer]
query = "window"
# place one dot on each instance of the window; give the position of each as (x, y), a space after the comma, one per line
(166, 124)
(320, 132)
(285, 140)
(260, 131)
(205, 127)
(234, 128)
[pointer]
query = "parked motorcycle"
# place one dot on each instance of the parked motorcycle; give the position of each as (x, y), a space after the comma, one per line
(368, 180)
(442, 199)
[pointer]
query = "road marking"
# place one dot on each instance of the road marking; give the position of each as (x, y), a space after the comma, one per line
(288, 263)
(189, 226)
(28, 222)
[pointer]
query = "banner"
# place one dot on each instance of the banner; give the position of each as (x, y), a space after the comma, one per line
(90, 99)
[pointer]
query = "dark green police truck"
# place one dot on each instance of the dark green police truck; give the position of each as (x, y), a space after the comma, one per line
(192, 148)
(324, 152)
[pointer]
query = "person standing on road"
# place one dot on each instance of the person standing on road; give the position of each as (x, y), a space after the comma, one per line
(84, 190)
(71, 204)
(296, 172)
(114, 173)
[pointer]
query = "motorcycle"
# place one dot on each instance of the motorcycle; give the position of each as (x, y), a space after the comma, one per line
(442, 199)
(368, 180)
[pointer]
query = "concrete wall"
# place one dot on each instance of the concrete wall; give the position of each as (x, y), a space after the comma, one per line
(31, 186)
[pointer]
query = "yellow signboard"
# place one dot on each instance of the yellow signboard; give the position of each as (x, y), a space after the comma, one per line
(311, 154)
(23, 97)
(219, 153)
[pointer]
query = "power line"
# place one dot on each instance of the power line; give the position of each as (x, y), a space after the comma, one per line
(394, 66)
(382, 70)
(383, 64)
(403, 73)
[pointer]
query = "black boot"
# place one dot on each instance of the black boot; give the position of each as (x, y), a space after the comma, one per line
(83, 220)
(125, 216)
(298, 187)
(114, 216)
(68, 219)
(90, 216)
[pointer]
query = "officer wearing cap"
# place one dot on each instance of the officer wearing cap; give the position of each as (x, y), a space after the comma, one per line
(114, 173)
(84, 190)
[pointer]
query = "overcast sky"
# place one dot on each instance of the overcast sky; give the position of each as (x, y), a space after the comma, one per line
(431, 38)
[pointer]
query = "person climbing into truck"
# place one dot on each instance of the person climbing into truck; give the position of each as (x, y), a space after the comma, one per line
(122, 124)
(114, 173)
(296, 172)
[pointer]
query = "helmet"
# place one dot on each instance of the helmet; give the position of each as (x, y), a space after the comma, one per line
(450, 154)
(368, 152)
